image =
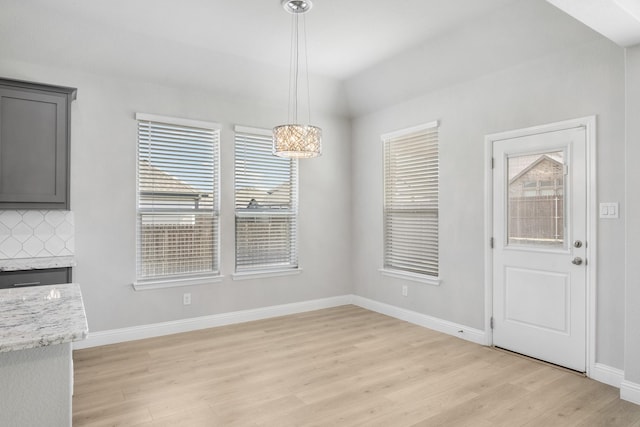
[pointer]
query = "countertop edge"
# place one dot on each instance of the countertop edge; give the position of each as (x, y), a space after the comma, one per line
(16, 264)
(50, 340)
(41, 316)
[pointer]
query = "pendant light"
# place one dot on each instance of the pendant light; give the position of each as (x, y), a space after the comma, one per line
(296, 140)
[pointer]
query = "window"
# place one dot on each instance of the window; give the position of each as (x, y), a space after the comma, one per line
(177, 233)
(266, 206)
(411, 201)
(536, 201)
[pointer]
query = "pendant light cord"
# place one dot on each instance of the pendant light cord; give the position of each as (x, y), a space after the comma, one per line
(294, 68)
(294, 71)
(306, 69)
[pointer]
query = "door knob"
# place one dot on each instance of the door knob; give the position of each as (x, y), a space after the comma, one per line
(577, 260)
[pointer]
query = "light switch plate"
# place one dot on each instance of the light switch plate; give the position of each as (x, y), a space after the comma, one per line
(610, 210)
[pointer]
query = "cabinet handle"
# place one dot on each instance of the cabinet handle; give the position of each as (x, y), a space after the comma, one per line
(15, 285)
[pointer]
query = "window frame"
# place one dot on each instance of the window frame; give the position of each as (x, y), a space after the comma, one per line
(264, 271)
(386, 269)
(187, 279)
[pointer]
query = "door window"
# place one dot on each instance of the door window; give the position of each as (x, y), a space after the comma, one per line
(536, 203)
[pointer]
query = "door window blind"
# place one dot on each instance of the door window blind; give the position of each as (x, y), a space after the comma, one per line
(177, 198)
(411, 200)
(266, 206)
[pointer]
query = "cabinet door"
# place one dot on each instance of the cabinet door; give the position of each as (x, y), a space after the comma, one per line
(22, 278)
(33, 149)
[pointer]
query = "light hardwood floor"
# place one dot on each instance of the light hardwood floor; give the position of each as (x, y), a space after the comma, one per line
(343, 366)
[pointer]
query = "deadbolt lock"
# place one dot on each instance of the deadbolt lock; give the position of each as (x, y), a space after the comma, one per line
(577, 244)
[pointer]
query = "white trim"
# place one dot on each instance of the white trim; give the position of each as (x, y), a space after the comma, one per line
(248, 275)
(488, 238)
(466, 333)
(178, 121)
(607, 375)
(175, 283)
(114, 336)
(592, 232)
(407, 131)
(246, 213)
(630, 392)
(592, 239)
(185, 325)
(415, 277)
(255, 131)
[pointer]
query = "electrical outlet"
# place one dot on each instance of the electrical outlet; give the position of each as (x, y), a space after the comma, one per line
(186, 299)
(405, 290)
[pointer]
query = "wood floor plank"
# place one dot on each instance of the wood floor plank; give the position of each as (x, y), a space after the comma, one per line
(343, 366)
(617, 413)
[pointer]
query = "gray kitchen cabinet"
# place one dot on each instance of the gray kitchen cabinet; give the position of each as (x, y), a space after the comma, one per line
(34, 145)
(22, 278)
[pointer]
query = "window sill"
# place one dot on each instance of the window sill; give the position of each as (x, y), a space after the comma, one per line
(175, 282)
(265, 273)
(421, 278)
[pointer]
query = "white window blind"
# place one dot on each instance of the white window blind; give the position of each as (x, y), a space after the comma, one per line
(266, 205)
(411, 200)
(177, 198)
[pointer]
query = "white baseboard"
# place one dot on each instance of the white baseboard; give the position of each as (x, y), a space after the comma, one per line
(95, 339)
(185, 325)
(470, 334)
(607, 375)
(630, 392)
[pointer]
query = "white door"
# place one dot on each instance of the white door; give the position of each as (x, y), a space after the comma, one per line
(539, 265)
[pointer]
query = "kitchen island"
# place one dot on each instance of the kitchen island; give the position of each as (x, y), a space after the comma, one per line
(37, 327)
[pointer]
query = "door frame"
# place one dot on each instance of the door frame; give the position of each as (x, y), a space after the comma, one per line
(589, 123)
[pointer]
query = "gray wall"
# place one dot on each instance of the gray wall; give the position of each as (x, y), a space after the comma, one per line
(586, 79)
(632, 214)
(103, 159)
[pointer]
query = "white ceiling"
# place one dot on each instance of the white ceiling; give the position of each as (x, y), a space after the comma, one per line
(239, 49)
(345, 36)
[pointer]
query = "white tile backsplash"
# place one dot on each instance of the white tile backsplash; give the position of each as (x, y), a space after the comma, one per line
(10, 218)
(36, 234)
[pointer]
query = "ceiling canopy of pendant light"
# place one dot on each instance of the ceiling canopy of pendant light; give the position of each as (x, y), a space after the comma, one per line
(295, 140)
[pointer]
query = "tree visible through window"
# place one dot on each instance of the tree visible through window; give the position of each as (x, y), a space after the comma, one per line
(265, 204)
(177, 198)
(411, 169)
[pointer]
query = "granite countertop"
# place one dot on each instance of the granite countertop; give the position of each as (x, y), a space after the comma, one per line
(39, 316)
(37, 263)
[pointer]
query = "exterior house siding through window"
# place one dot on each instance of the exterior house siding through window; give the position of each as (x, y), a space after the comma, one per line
(177, 198)
(266, 207)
